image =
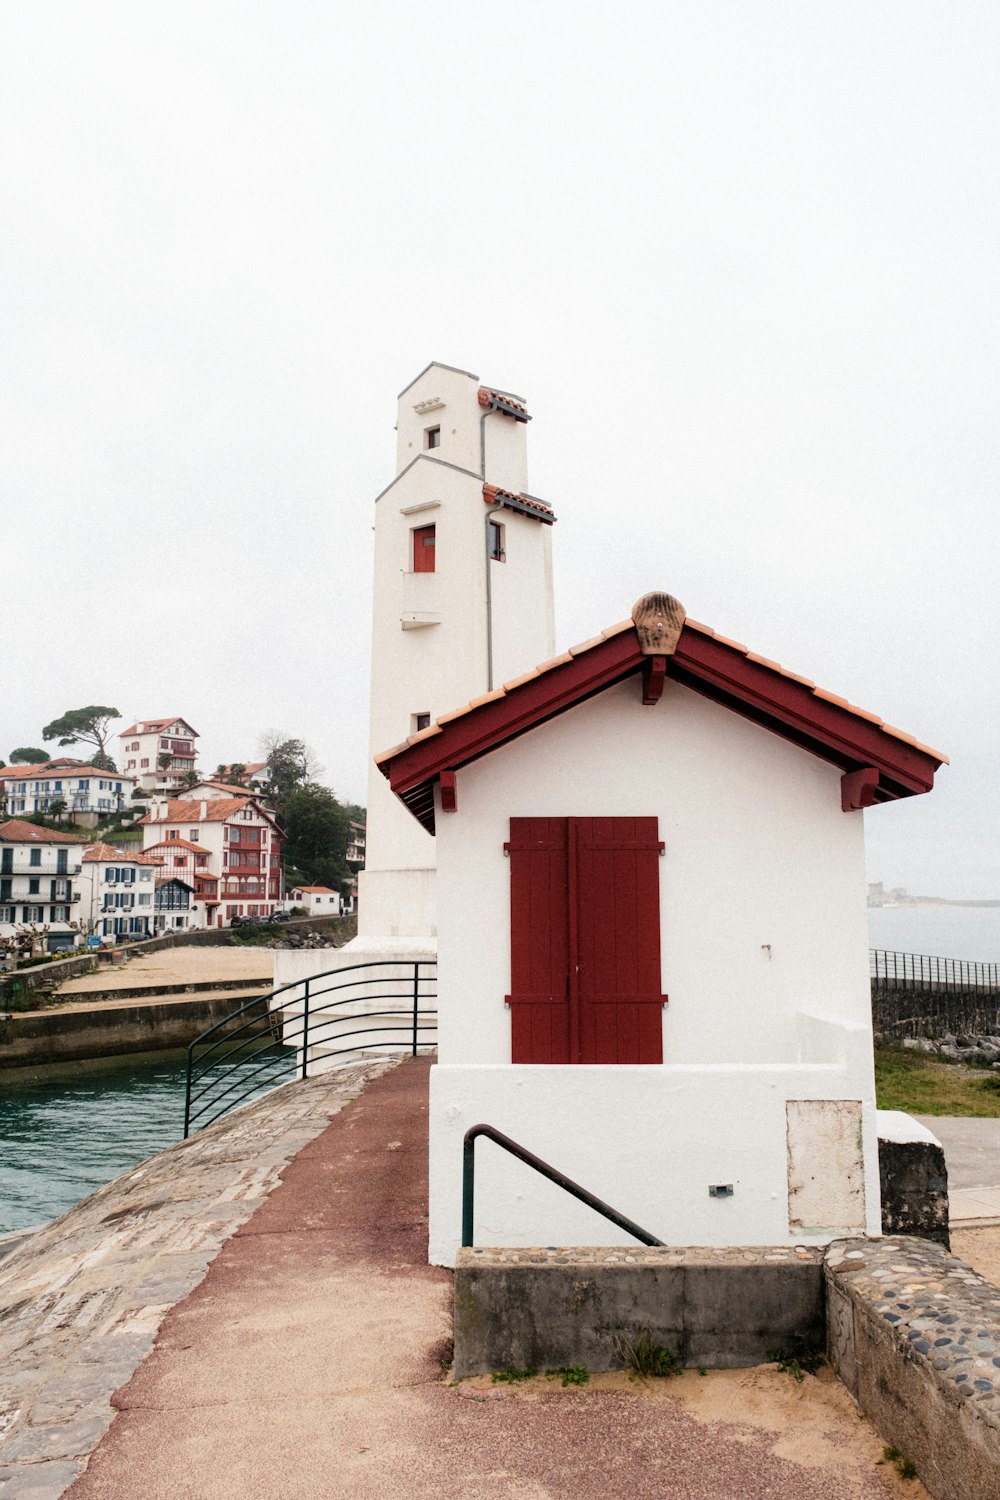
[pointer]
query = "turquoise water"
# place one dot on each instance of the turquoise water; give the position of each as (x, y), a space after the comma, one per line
(63, 1138)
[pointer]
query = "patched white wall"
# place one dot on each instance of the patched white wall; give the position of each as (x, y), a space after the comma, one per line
(764, 957)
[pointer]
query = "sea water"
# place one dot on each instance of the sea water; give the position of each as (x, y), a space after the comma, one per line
(969, 932)
(63, 1137)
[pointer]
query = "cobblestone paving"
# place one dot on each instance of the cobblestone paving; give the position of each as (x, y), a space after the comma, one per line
(946, 1311)
(82, 1298)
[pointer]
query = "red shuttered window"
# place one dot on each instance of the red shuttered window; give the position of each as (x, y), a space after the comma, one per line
(585, 941)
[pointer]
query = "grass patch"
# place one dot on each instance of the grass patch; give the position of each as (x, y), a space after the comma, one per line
(645, 1357)
(571, 1374)
(922, 1084)
(511, 1377)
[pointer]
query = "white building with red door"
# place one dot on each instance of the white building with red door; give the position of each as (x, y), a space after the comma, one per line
(234, 846)
(653, 950)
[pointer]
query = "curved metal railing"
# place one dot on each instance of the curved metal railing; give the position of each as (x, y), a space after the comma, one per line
(360, 1010)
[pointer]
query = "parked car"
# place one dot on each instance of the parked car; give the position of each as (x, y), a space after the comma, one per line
(281, 916)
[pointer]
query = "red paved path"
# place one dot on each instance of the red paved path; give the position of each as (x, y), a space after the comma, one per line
(306, 1366)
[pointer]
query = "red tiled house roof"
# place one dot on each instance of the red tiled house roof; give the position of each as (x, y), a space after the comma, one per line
(885, 762)
(16, 832)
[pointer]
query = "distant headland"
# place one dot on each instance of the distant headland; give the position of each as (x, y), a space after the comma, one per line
(878, 895)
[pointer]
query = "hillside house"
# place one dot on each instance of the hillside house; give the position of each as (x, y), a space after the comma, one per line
(318, 900)
(39, 883)
(116, 892)
(653, 965)
(90, 795)
(159, 753)
(239, 844)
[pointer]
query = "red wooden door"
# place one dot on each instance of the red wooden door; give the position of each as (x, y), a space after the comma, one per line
(424, 549)
(585, 940)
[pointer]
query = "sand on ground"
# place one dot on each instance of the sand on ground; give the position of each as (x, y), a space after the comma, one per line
(177, 966)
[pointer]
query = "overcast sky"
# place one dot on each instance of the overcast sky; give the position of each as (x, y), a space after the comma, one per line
(741, 258)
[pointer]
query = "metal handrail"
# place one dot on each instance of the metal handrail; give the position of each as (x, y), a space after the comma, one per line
(545, 1170)
(230, 1061)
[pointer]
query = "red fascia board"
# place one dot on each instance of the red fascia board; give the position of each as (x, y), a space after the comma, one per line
(493, 724)
(789, 707)
(707, 665)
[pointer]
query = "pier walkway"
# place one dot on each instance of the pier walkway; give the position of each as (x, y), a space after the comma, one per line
(307, 1364)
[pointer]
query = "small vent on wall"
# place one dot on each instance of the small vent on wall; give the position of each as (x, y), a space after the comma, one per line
(433, 403)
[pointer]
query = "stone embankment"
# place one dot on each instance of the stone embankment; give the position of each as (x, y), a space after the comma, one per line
(82, 1298)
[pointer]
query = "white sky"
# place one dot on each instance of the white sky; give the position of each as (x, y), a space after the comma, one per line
(742, 259)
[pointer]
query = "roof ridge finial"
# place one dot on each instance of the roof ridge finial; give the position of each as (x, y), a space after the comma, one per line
(659, 620)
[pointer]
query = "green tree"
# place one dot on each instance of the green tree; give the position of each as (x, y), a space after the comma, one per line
(57, 808)
(291, 763)
(85, 726)
(163, 759)
(317, 829)
(190, 779)
(28, 755)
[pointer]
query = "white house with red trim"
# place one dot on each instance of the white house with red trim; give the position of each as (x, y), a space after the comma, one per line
(142, 745)
(653, 954)
(230, 846)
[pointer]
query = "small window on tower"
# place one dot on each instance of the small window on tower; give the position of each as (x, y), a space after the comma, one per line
(497, 551)
(419, 721)
(424, 549)
(432, 437)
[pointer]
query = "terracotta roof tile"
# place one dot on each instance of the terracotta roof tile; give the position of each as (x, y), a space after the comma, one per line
(512, 404)
(516, 681)
(179, 844)
(424, 734)
(689, 624)
(14, 831)
(107, 853)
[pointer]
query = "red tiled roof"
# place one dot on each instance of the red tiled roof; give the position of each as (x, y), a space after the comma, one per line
(216, 811)
(525, 503)
(153, 726)
(317, 890)
(17, 832)
(68, 773)
(711, 664)
(105, 853)
(504, 401)
(179, 844)
(226, 786)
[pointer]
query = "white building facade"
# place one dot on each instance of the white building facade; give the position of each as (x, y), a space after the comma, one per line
(462, 599)
(230, 846)
(117, 893)
(89, 795)
(653, 965)
(159, 753)
(39, 883)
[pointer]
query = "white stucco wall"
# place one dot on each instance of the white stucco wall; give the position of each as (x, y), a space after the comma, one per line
(429, 631)
(764, 957)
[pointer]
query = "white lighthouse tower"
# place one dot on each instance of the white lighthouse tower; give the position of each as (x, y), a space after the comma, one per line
(462, 602)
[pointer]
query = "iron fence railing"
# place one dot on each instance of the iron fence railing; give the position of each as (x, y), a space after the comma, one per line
(356, 1011)
(925, 971)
